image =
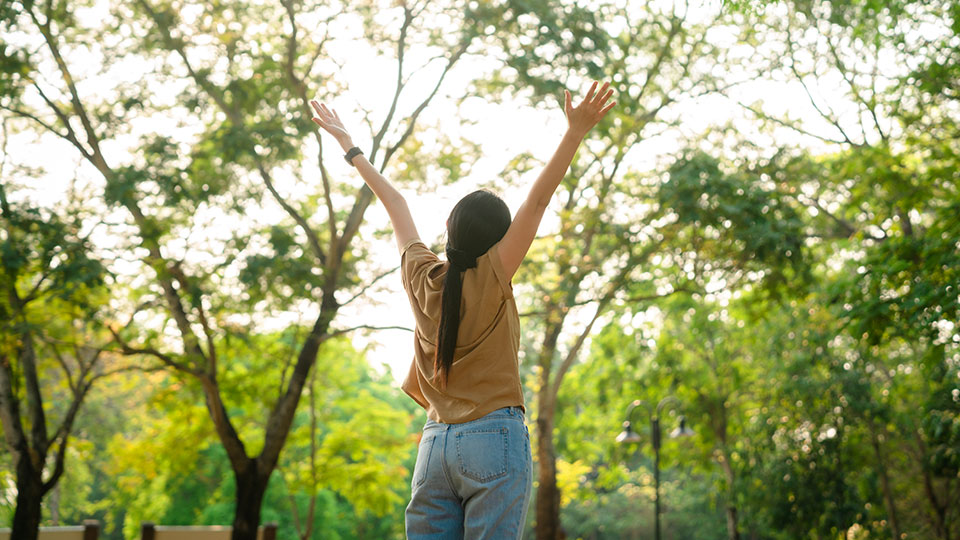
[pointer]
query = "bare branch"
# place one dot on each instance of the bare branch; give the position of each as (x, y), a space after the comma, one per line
(63, 365)
(300, 88)
(92, 138)
(847, 229)
(786, 124)
(336, 333)
(842, 68)
(675, 26)
(401, 50)
(227, 434)
(371, 284)
(127, 349)
(127, 369)
(312, 238)
(291, 357)
(24, 114)
(826, 115)
(574, 350)
(423, 105)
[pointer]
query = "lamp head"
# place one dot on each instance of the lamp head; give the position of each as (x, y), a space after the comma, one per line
(682, 430)
(628, 435)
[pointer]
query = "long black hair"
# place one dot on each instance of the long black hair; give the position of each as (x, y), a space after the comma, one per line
(476, 223)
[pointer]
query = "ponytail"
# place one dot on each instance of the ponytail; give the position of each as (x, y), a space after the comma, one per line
(449, 326)
(476, 223)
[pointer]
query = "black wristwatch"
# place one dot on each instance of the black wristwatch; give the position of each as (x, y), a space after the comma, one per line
(352, 153)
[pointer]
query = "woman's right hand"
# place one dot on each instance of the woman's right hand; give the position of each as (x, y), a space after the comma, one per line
(590, 111)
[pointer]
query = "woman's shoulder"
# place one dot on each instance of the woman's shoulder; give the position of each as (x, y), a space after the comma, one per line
(491, 264)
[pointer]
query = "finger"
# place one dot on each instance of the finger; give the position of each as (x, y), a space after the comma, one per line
(315, 105)
(326, 111)
(321, 110)
(590, 92)
(567, 101)
(318, 122)
(606, 96)
(606, 109)
(335, 115)
(601, 93)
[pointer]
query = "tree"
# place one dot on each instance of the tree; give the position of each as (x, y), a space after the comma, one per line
(599, 254)
(342, 472)
(608, 488)
(868, 370)
(244, 86)
(879, 213)
(53, 298)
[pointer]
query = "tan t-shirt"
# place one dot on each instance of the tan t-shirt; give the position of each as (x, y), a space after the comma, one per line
(485, 375)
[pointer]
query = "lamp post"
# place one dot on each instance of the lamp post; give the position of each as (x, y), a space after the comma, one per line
(630, 436)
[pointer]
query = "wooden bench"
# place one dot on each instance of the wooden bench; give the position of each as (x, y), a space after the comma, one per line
(90, 530)
(150, 531)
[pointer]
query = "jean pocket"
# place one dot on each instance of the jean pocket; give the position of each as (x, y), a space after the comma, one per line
(482, 453)
(423, 460)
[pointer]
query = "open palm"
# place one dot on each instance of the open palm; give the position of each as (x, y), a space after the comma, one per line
(591, 110)
(329, 120)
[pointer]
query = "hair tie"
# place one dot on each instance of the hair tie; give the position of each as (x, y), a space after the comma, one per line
(461, 260)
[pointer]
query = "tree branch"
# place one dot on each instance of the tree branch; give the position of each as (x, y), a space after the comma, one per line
(416, 113)
(371, 284)
(10, 412)
(574, 350)
(842, 68)
(92, 139)
(796, 73)
(786, 124)
(177, 46)
(337, 333)
(28, 364)
(312, 238)
(127, 349)
(63, 365)
(401, 50)
(228, 435)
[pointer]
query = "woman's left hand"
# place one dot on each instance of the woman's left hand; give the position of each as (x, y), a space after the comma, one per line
(329, 120)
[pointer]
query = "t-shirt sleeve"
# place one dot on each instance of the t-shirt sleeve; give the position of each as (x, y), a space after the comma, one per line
(497, 265)
(416, 260)
(411, 386)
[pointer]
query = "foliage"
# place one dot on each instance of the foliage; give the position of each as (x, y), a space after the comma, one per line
(790, 277)
(149, 456)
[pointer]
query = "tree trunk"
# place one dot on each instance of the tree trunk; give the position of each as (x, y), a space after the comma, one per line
(26, 518)
(885, 486)
(251, 487)
(718, 417)
(55, 506)
(939, 509)
(733, 528)
(548, 496)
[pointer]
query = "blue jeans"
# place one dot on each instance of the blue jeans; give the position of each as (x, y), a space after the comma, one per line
(471, 480)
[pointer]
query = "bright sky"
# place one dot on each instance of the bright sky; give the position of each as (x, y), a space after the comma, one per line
(503, 130)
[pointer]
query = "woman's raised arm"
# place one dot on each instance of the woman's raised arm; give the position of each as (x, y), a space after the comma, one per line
(580, 120)
(403, 227)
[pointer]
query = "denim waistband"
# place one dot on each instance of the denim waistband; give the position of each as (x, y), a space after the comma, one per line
(505, 412)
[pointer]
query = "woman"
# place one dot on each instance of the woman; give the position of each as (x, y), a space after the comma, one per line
(473, 473)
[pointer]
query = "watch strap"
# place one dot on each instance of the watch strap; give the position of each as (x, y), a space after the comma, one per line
(352, 153)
